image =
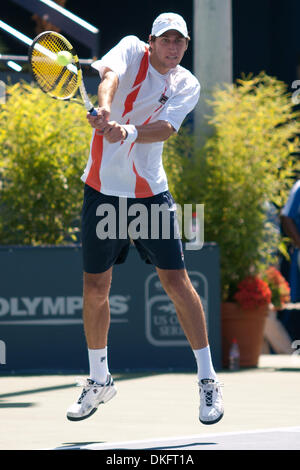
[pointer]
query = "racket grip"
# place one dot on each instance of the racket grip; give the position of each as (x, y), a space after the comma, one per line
(93, 112)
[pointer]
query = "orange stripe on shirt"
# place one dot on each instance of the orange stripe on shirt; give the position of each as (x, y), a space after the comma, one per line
(93, 178)
(140, 77)
(142, 188)
(130, 99)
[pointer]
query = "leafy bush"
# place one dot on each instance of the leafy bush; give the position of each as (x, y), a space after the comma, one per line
(248, 163)
(43, 146)
(179, 164)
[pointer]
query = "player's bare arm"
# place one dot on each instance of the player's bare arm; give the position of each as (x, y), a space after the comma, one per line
(158, 131)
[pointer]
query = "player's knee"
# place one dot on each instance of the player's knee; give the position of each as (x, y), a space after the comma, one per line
(96, 286)
(175, 283)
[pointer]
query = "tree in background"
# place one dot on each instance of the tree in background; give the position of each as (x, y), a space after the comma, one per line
(246, 166)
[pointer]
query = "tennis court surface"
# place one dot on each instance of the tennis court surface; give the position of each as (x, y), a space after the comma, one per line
(155, 411)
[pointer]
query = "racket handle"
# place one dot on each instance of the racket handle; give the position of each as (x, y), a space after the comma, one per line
(93, 112)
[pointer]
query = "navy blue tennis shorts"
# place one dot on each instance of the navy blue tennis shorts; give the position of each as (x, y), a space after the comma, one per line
(110, 224)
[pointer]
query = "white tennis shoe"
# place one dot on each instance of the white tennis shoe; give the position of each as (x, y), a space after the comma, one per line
(93, 394)
(211, 401)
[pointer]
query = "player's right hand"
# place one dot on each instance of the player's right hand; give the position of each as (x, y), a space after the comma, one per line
(100, 121)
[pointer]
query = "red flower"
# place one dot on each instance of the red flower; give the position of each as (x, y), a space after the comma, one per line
(253, 292)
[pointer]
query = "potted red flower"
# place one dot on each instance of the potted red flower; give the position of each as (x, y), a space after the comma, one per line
(244, 319)
(253, 292)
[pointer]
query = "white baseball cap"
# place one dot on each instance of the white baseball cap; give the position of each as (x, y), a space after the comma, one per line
(167, 21)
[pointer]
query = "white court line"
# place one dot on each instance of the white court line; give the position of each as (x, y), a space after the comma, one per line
(180, 441)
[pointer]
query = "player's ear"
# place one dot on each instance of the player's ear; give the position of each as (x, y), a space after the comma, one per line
(150, 40)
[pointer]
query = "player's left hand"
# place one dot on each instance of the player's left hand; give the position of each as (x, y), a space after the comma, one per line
(114, 132)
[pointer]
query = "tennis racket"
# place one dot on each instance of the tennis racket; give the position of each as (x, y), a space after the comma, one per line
(59, 81)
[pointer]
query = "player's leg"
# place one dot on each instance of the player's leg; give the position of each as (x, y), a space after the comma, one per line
(188, 305)
(166, 253)
(96, 314)
(101, 250)
(96, 321)
(99, 387)
(191, 316)
(186, 300)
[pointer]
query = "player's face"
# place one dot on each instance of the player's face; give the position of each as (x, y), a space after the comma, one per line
(167, 51)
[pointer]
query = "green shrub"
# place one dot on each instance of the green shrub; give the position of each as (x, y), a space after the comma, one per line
(248, 162)
(179, 162)
(43, 146)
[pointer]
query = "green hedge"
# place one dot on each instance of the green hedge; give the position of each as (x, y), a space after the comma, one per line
(43, 146)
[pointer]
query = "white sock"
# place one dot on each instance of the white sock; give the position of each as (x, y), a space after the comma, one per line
(98, 365)
(204, 364)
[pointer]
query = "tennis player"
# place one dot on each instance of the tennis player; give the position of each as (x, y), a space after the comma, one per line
(144, 96)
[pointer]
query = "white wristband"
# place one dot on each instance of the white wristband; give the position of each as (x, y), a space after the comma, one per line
(132, 133)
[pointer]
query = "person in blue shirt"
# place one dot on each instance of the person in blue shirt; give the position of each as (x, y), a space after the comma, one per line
(290, 220)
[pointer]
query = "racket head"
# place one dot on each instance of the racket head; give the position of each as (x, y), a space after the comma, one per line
(59, 81)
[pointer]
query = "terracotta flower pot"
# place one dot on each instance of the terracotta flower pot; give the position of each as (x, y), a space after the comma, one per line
(247, 327)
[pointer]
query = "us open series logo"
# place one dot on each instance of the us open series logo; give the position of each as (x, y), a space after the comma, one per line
(161, 322)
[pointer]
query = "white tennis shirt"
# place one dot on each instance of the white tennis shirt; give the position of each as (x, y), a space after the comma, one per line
(143, 96)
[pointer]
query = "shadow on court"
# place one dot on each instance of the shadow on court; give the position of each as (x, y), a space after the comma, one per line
(16, 405)
(54, 388)
(76, 445)
(4, 404)
(80, 445)
(34, 390)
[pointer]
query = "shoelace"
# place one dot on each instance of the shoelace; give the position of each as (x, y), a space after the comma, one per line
(208, 397)
(83, 394)
(87, 386)
(208, 394)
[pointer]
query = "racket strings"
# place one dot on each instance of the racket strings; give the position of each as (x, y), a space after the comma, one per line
(57, 80)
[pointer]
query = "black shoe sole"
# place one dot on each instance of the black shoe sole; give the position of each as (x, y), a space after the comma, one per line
(70, 418)
(212, 422)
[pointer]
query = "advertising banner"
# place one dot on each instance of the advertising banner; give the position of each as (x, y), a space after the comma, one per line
(41, 327)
